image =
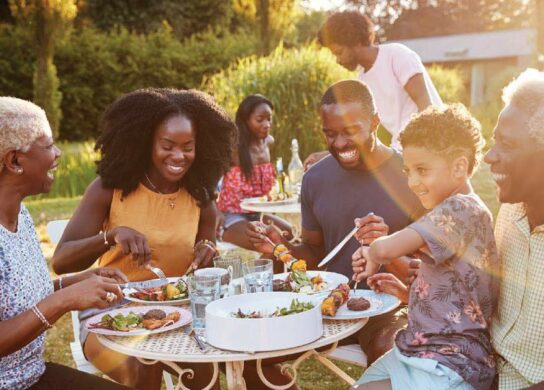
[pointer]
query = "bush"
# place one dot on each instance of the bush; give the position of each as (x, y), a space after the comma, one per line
(294, 80)
(75, 171)
(95, 68)
(488, 112)
(449, 82)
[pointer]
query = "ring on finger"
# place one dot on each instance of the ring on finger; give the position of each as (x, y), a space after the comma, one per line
(110, 297)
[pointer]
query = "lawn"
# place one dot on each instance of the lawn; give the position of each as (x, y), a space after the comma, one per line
(311, 374)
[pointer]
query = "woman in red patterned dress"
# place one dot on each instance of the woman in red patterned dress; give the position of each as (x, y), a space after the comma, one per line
(252, 174)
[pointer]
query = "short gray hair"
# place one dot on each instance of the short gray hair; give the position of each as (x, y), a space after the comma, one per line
(526, 92)
(21, 123)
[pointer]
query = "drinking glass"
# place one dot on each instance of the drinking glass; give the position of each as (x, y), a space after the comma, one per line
(203, 289)
(258, 275)
(233, 264)
(222, 273)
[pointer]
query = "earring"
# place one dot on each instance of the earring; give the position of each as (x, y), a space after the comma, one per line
(20, 171)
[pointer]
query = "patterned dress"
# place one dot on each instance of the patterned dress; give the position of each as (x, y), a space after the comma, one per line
(453, 297)
(24, 281)
(236, 187)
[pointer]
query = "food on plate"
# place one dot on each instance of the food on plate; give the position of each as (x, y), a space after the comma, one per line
(149, 320)
(281, 285)
(295, 307)
(358, 304)
(298, 280)
(273, 196)
(169, 292)
(336, 298)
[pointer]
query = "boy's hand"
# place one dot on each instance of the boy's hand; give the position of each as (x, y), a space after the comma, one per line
(362, 266)
(389, 284)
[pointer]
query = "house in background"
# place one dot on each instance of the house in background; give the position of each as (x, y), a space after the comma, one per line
(482, 55)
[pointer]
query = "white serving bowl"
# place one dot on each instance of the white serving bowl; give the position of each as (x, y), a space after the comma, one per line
(261, 334)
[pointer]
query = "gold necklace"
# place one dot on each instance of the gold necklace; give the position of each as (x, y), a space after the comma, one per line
(172, 200)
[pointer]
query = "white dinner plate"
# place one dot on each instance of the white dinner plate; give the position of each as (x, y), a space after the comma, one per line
(332, 279)
(380, 303)
(185, 318)
(173, 302)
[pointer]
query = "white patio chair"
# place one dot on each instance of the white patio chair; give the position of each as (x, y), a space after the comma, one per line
(55, 230)
(352, 354)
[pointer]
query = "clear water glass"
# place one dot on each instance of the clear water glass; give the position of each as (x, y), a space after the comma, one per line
(258, 275)
(233, 264)
(202, 290)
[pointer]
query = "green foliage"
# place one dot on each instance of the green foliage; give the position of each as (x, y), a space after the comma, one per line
(488, 112)
(46, 92)
(16, 69)
(75, 171)
(47, 23)
(449, 82)
(294, 80)
(306, 28)
(186, 17)
(111, 64)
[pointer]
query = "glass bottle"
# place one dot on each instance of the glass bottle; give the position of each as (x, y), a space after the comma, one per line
(280, 176)
(295, 168)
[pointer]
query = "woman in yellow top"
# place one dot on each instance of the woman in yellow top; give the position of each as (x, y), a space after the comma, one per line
(162, 154)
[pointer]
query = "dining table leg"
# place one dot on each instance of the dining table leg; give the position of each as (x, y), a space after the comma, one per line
(234, 373)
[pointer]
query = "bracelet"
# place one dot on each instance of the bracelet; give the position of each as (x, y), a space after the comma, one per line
(207, 243)
(60, 283)
(41, 317)
(105, 234)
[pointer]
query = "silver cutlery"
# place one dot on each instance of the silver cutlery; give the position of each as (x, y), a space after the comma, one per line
(160, 274)
(338, 247)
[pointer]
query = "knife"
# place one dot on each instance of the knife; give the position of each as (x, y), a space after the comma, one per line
(144, 284)
(337, 247)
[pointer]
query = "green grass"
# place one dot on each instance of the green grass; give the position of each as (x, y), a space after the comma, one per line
(311, 374)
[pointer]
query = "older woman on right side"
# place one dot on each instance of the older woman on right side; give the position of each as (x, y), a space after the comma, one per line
(29, 301)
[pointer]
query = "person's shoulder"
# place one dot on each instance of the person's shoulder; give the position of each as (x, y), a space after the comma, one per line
(469, 204)
(98, 192)
(396, 48)
(322, 167)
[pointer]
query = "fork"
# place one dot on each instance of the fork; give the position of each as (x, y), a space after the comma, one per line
(355, 287)
(157, 271)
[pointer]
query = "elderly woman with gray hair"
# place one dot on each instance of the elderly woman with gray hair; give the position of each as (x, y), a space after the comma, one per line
(29, 301)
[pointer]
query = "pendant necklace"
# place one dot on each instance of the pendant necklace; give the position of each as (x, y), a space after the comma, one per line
(172, 200)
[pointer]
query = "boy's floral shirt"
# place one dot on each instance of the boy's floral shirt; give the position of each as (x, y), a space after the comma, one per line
(453, 297)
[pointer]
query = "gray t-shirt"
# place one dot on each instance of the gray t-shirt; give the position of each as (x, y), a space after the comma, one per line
(332, 197)
(453, 297)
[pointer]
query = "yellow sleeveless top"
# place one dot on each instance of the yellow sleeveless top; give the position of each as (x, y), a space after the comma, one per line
(170, 232)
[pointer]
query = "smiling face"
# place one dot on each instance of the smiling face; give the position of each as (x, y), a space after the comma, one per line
(260, 121)
(517, 163)
(38, 165)
(430, 176)
(349, 132)
(173, 153)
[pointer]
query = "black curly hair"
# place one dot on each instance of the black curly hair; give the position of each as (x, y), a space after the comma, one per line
(347, 28)
(128, 126)
(243, 113)
(450, 131)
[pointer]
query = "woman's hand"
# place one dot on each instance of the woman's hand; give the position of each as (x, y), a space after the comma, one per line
(107, 272)
(133, 243)
(263, 237)
(389, 284)
(204, 255)
(370, 227)
(93, 292)
(361, 264)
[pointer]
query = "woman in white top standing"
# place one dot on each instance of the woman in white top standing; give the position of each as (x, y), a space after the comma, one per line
(394, 73)
(29, 301)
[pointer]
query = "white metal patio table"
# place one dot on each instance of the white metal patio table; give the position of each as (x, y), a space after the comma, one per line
(177, 346)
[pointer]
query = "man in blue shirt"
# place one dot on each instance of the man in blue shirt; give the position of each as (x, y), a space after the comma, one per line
(360, 177)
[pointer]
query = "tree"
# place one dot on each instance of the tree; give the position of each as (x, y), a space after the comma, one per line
(402, 19)
(186, 17)
(47, 21)
(273, 19)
